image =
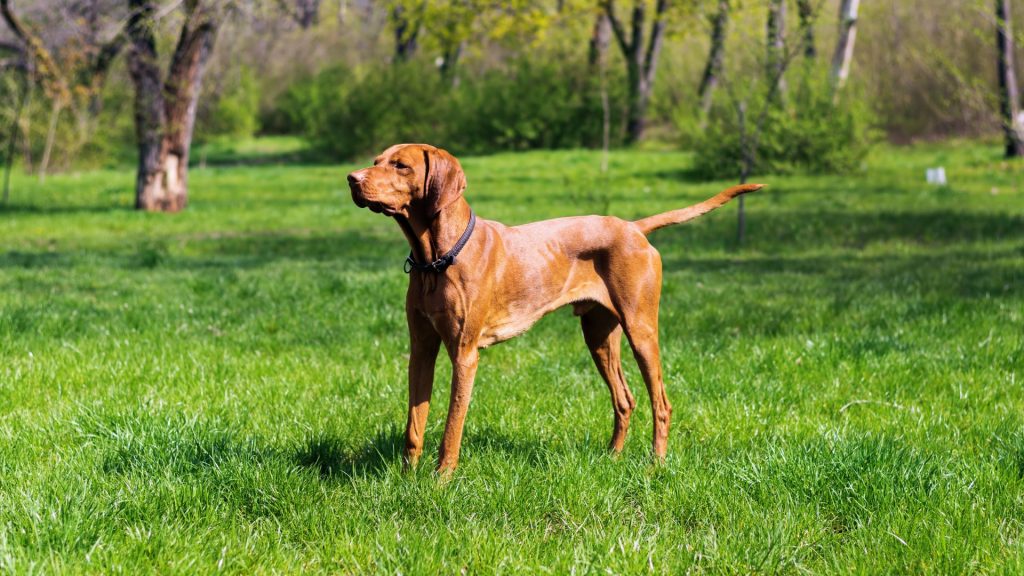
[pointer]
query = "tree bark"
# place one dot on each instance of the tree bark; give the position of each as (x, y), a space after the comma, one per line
(716, 56)
(1009, 97)
(641, 64)
(776, 42)
(805, 8)
(165, 111)
(844, 47)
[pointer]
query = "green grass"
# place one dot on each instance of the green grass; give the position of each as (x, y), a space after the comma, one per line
(224, 389)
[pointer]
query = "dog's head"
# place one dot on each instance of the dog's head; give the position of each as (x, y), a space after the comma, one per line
(409, 180)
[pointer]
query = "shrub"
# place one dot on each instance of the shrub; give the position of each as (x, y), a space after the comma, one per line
(344, 113)
(535, 105)
(234, 112)
(528, 105)
(808, 132)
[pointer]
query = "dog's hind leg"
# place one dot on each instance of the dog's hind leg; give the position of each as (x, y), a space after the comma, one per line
(635, 293)
(603, 334)
(643, 337)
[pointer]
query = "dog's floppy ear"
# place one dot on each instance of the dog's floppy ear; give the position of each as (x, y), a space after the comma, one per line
(445, 179)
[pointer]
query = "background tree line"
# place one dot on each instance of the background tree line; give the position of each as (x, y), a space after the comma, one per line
(751, 85)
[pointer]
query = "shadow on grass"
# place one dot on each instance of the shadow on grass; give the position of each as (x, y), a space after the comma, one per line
(330, 456)
(53, 210)
(382, 245)
(302, 157)
(490, 442)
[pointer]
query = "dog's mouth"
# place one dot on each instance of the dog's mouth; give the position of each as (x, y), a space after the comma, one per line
(376, 207)
(381, 209)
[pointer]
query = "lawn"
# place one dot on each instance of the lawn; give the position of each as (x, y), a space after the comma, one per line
(224, 390)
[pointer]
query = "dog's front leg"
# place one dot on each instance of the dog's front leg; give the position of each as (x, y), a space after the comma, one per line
(464, 362)
(424, 343)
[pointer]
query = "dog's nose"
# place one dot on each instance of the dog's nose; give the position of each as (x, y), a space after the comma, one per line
(354, 178)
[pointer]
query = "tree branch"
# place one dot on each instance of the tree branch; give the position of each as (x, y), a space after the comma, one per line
(57, 85)
(657, 37)
(620, 33)
(109, 51)
(11, 47)
(636, 43)
(13, 64)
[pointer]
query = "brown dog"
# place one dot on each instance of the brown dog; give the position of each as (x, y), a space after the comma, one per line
(504, 279)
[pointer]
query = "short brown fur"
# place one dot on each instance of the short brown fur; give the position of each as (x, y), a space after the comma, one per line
(507, 278)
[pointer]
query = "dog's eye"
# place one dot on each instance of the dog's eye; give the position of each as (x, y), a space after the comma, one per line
(399, 165)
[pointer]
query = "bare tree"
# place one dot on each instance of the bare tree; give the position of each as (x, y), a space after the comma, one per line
(641, 59)
(54, 82)
(844, 46)
(1009, 97)
(79, 75)
(716, 56)
(165, 110)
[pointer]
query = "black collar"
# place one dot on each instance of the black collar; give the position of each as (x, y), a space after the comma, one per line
(441, 264)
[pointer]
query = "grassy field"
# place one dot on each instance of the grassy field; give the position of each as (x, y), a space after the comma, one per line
(223, 390)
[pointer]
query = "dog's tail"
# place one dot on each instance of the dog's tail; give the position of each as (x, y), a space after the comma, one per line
(652, 223)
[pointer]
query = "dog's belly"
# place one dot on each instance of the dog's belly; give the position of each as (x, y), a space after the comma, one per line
(522, 311)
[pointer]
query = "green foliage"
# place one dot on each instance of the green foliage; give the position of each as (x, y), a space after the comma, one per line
(10, 92)
(535, 104)
(112, 140)
(805, 131)
(234, 113)
(531, 104)
(224, 390)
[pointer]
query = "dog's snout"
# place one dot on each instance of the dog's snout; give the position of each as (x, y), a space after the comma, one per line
(354, 178)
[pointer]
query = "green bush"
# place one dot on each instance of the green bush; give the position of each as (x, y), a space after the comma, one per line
(344, 113)
(535, 105)
(234, 112)
(806, 131)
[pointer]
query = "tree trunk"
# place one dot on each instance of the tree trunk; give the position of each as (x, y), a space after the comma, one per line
(307, 13)
(641, 66)
(149, 105)
(746, 167)
(1009, 97)
(12, 137)
(599, 38)
(844, 47)
(450, 64)
(807, 17)
(716, 57)
(406, 32)
(638, 95)
(165, 111)
(776, 42)
(51, 137)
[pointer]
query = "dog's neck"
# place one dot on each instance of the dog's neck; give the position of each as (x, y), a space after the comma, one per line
(431, 239)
